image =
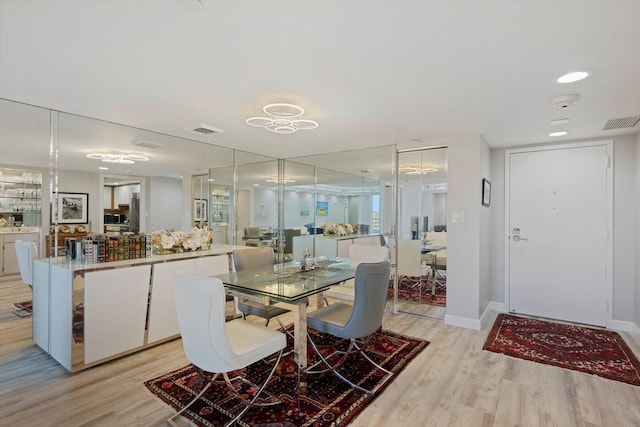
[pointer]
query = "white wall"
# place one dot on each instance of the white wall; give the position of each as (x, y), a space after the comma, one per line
(637, 226)
(623, 227)
(81, 182)
(497, 236)
(463, 238)
(485, 230)
(161, 212)
(625, 246)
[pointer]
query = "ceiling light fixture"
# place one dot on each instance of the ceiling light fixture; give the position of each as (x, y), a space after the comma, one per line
(416, 170)
(124, 159)
(574, 76)
(102, 168)
(286, 180)
(279, 119)
(559, 133)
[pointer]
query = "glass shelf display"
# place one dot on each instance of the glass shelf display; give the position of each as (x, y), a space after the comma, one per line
(220, 204)
(20, 197)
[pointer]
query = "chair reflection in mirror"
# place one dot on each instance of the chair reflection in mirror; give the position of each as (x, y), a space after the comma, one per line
(357, 254)
(250, 259)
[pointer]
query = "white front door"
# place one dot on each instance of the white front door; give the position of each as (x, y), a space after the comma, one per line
(558, 211)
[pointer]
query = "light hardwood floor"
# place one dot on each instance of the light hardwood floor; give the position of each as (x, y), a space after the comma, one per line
(453, 382)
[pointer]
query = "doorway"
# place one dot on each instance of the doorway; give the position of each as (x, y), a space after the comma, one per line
(558, 219)
(121, 204)
(420, 254)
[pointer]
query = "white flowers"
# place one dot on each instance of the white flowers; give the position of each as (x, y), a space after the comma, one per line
(338, 229)
(178, 240)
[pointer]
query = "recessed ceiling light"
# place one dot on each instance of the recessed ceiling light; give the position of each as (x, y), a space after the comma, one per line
(559, 133)
(102, 168)
(574, 76)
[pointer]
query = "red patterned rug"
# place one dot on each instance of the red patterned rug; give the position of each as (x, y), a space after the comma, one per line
(594, 351)
(329, 401)
(23, 308)
(418, 290)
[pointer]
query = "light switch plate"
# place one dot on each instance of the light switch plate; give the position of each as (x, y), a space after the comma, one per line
(457, 216)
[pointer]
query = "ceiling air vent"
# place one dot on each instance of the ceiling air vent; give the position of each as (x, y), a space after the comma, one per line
(146, 144)
(206, 129)
(625, 122)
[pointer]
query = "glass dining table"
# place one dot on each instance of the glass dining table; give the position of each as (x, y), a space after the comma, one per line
(287, 286)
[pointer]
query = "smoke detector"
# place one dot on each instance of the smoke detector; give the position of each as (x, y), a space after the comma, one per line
(564, 101)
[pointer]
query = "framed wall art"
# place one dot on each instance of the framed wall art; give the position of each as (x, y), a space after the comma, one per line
(73, 208)
(486, 192)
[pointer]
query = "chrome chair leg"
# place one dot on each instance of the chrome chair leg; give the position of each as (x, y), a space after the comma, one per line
(252, 401)
(336, 373)
(361, 351)
(202, 392)
(345, 354)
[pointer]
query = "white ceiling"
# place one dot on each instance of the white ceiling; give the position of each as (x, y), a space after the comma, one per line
(372, 73)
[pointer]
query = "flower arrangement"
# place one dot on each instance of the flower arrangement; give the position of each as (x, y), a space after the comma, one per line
(338, 229)
(173, 241)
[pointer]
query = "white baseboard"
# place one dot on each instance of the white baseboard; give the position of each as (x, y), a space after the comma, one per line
(499, 307)
(464, 322)
(621, 325)
(476, 324)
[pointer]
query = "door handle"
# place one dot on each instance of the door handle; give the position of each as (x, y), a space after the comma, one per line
(517, 238)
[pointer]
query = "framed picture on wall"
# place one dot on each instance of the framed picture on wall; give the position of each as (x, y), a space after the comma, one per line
(305, 208)
(73, 208)
(486, 192)
(200, 210)
(322, 208)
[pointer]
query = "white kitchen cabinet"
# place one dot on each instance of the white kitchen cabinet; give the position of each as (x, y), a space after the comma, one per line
(7, 242)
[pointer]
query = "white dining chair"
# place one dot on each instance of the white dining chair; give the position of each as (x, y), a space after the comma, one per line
(248, 259)
(215, 346)
(26, 253)
(356, 322)
(357, 255)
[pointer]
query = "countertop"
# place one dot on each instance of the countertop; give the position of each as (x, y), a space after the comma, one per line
(345, 237)
(74, 265)
(19, 230)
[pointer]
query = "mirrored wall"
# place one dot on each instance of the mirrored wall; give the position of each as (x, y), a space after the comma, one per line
(101, 177)
(422, 232)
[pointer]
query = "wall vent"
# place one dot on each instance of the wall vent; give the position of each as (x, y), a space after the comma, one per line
(146, 144)
(625, 122)
(206, 129)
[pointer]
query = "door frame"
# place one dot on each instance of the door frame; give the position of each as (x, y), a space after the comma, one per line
(608, 143)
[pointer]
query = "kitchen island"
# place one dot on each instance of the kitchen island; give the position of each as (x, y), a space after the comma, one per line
(87, 314)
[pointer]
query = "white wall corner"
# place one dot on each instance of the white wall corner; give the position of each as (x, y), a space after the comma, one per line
(498, 307)
(464, 322)
(635, 331)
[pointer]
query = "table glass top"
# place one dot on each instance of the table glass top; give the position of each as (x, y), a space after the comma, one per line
(285, 282)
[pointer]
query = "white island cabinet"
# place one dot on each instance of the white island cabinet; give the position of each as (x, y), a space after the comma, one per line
(87, 314)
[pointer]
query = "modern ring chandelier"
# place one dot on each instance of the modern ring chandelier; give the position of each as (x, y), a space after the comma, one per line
(282, 118)
(124, 159)
(417, 170)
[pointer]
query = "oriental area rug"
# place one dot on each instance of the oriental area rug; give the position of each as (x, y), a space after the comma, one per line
(593, 351)
(417, 289)
(23, 308)
(328, 401)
